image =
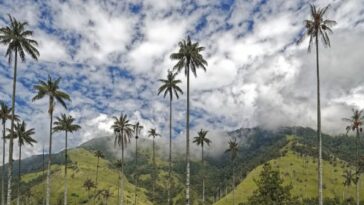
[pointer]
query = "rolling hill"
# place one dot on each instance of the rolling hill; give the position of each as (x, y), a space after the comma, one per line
(290, 149)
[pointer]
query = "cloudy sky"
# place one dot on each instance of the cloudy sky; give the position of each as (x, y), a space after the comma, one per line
(110, 55)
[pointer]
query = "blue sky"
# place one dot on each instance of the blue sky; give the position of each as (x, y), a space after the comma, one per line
(111, 53)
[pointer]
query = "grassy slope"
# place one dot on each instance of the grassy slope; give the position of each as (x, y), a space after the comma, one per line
(303, 177)
(86, 168)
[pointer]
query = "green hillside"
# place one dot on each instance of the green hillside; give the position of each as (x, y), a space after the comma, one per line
(294, 156)
(83, 166)
(300, 172)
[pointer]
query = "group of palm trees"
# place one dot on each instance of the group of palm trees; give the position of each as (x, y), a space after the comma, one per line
(19, 43)
(188, 59)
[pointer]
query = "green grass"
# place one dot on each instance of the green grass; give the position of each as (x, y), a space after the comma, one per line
(85, 168)
(301, 172)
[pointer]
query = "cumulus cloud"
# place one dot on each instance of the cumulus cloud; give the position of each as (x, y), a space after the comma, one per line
(110, 55)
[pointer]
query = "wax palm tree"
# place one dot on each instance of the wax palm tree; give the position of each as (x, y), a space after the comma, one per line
(349, 178)
(88, 184)
(153, 133)
(5, 114)
(119, 164)
(99, 156)
(24, 137)
(188, 58)
(315, 28)
(51, 89)
(65, 124)
(355, 124)
(170, 86)
(123, 131)
(233, 150)
(106, 194)
(18, 41)
(137, 129)
(201, 140)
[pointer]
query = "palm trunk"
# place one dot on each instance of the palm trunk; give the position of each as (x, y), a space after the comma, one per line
(233, 185)
(319, 161)
(136, 170)
(19, 176)
(188, 138)
(97, 174)
(154, 172)
(3, 168)
(170, 151)
(357, 168)
(11, 142)
(49, 154)
(118, 197)
(65, 171)
(43, 169)
(203, 177)
(121, 202)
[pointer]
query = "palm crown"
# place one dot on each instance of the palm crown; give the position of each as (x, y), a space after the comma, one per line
(65, 123)
(123, 130)
(201, 139)
(356, 121)
(153, 133)
(5, 113)
(318, 26)
(51, 88)
(170, 86)
(99, 154)
(189, 57)
(18, 40)
(24, 136)
(233, 148)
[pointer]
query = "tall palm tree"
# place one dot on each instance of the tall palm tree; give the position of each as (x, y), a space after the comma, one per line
(24, 136)
(106, 194)
(170, 86)
(123, 131)
(99, 156)
(51, 89)
(348, 180)
(356, 121)
(153, 133)
(137, 129)
(233, 150)
(5, 114)
(188, 58)
(65, 124)
(88, 184)
(201, 140)
(318, 27)
(119, 164)
(18, 41)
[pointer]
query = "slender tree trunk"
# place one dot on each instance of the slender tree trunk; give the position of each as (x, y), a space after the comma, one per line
(19, 176)
(319, 161)
(43, 176)
(118, 197)
(49, 154)
(65, 170)
(3, 168)
(154, 172)
(233, 184)
(344, 194)
(357, 168)
(121, 202)
(203, 176)
(188, 138)
(170, 151)
(136, 170)
(11, 141)
(97, 174)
